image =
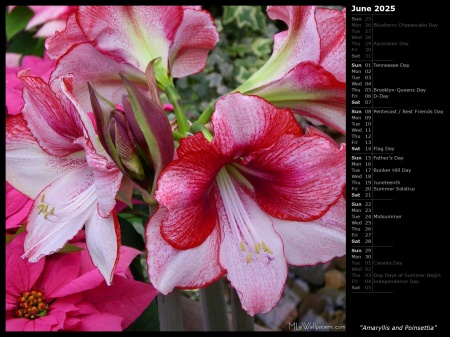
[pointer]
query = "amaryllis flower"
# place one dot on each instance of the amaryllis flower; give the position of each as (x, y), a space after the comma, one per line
(306, 71)
(53, 157)
(259, 196)
(52, 19)
(65, 292)
(101, 41)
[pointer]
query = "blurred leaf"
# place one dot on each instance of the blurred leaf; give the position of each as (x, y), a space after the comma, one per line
(139, 270)
(10, 237)
(148, 320)
(245, 16)
(129, 236)
(243, 75)
(240, 49)
(25, 44)
(17, 20)
(262, 46)
(69, 248)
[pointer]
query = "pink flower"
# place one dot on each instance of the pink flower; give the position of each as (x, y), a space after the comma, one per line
(101, 41)
(306, 71)
(52, 18)
(66, 292)
(41, 67)
(17, 207)
(259, 196)
(54, 158)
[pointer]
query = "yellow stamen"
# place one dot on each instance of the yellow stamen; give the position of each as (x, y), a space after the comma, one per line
(42, 198)
(249, 257)
(45, 208)
(39, 207)
(265, 247)
(46, 215)
(242, 245)
(52, 210)
(258, 248)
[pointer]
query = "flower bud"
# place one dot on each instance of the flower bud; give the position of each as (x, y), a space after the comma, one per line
(139, 137)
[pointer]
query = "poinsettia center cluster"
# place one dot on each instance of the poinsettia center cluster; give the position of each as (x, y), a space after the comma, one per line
(31, 304)
(249, 241)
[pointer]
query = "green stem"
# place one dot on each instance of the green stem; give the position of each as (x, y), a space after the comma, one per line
(175, 99)
(212, 299)
(177, 135)
(169, 311)
(206, 115)
(241, 320)
(197, 127)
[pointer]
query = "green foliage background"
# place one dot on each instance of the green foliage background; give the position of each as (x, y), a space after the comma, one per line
(245, 44)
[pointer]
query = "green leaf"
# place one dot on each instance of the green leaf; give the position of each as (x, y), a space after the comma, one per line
(69, 248)
(262, 46)
(24, 43)
(148, 320)
(229, 13)
(129, 236)
(245, 16)
(17, 20)
(243, 75)
(9, 237)
(240, 49)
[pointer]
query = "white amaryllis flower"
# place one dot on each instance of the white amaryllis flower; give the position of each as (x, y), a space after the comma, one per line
(259, 196)
(53, 157)
(306, 71)
(100, 42)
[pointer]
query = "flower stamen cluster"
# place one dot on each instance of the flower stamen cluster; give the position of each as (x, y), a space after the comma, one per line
(31, 304)
(43, 208)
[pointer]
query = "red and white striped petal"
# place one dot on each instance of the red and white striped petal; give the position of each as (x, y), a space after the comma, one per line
(311, 91)
(243, 124)
(331, 25)
(184, 188)
(28, 168)
(132, 34)
(59, 212)
(53, 126)
(86, 63)
(298, 178)
(58, 44)
(169, 268)
(107, 175)
(318, 241)
(103, 242)
(258, 278)
(107, 184)
(301, 43)
(195, 37)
